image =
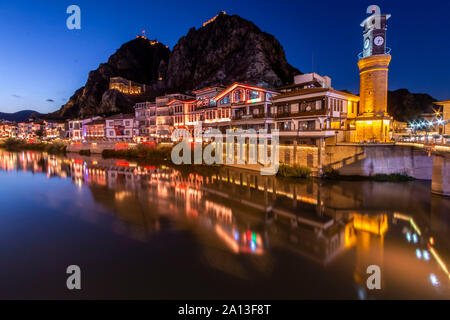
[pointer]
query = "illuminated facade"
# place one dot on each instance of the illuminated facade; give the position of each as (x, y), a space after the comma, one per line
(445, 116)
(54, 129)
(77, 129)
(120, 126)
(94, 130)
(311, 109)
(243, 106)
(373, 122)
(8, 129)
(145, 114)
(164, 114)
(126, 86)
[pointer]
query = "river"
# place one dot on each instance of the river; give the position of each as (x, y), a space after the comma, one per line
(155, 232)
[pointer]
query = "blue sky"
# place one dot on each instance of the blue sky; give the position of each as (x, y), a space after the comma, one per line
(42, 63)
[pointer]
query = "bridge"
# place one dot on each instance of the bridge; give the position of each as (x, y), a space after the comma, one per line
(441, 167)
(418, 160)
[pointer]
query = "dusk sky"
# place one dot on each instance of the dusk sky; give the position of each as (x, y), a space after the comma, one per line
(42, 63)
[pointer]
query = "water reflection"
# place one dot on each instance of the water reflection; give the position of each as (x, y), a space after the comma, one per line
(330, 232)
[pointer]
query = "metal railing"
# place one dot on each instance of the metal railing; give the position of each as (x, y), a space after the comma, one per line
(361, 54)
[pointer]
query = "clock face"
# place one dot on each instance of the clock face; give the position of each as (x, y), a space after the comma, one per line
(366, 43)
(378, 41)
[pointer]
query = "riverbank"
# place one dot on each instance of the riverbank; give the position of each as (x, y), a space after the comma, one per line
(20, 145)
(330, 174)
(162, 155)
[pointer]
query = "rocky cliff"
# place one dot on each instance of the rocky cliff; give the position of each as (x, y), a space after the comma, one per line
(226, 50)
(138, 60)
(406, 106)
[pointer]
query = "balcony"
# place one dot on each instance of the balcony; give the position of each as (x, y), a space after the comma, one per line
(313, 133)
(252, 116)
(361, 54)
(301, 114)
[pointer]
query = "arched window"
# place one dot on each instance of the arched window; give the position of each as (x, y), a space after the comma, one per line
(237, 95)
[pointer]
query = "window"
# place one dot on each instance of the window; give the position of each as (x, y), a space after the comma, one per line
(254, 95)
(319, 105)
(225, 100)
(127, 123)
(306, 125)
(237, 96)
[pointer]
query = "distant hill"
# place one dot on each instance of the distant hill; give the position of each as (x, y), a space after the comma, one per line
(406, 106)
(18, 116)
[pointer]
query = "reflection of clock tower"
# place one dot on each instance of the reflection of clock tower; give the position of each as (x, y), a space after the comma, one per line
(373, 121)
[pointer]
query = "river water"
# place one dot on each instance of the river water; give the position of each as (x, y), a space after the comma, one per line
(149, 231)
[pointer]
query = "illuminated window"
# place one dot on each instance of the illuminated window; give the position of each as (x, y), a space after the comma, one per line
(225, 100)
(237, 96)
(254, 95)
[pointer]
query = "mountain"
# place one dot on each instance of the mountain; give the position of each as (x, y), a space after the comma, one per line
(227, 49)
(18, 116)
(139, 60)
(406, 106)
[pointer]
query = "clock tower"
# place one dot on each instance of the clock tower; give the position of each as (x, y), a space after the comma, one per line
(373, 122)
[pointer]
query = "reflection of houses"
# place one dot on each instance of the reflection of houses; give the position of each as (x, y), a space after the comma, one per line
(126, 86)
(120, 126)
(311, 109)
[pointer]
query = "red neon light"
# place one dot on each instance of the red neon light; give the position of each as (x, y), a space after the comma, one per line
(122, 164)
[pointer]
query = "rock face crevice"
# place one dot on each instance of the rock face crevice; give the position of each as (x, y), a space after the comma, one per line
(229, 49)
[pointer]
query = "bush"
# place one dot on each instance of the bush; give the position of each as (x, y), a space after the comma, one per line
(55, 148)
(294, 172)
(85, 152)
(395, 177)
(11, 144)
(17, 145)
(140, 153)
(330, 173)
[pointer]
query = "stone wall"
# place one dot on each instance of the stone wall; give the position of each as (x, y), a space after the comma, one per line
(380, 159)
(441, 175)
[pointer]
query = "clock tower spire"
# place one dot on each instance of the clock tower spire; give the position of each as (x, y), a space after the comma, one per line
(374, 33)
(373, 122)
